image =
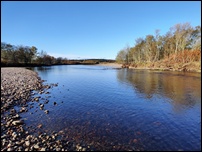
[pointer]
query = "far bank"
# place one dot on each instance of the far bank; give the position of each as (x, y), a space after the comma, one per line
(161, 66)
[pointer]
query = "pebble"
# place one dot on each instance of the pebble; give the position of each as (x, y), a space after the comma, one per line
(27, 143)
(26, 149)
(16, 116)
(43, 149)
(39, 126)
(10, 149)
(36, 146)
(46, 111)
(17, 122)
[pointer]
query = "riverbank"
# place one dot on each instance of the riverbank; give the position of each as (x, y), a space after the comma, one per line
(169, 66)
(161, 66)
(17, 85)
(114, 65)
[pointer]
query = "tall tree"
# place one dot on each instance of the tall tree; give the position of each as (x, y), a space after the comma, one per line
(121, 56)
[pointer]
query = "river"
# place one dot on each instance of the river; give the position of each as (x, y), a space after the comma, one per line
(122, 109)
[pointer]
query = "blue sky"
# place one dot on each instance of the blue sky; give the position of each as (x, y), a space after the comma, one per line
(86, 29)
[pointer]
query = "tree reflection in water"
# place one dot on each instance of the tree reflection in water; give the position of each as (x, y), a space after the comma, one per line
(184, 89)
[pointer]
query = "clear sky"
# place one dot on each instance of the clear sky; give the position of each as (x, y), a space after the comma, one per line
(86, 29)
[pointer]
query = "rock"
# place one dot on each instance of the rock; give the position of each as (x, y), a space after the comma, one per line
(27, 143)
(43, 149)
(39, 126)
(3, 136)
(28, 137)
(58, 149)
(36, 146)
(20, 149)
(16, 116)
(13, 111)
(8, 123)
(23, 109)
(10, 149)
(17, 122)
(9, 145)
(22, 141)
(14, 134)
(46, 111)
(17, 85)
(17, 143)
(53, 137)
(40, 92)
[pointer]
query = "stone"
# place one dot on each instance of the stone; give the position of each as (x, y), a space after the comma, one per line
(10, 149)
(46, 111)
(43, 149)
(27, 143)
(17, 122)
(36, 146)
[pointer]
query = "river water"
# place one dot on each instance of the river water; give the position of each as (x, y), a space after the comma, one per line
(122, 109)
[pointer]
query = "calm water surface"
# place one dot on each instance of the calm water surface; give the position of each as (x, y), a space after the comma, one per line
(124, 109)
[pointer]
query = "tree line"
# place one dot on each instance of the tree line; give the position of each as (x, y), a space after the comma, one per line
(12, 55)
(26, 55)
(181, 43)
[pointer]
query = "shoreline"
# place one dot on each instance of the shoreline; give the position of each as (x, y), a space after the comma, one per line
(159, 68)
(164, 69)
(119, 66)
(17, 85)
(171, 69)
(114, 65)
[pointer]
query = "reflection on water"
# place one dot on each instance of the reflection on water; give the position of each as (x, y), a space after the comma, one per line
(121, 109)
(182, 88)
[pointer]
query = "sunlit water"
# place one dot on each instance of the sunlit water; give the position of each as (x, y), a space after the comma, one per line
(124, 108)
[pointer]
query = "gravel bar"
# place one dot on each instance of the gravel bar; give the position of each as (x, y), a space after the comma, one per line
(17, 85)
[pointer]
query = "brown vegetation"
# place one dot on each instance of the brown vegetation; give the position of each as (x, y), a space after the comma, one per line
(182, 61)
(179, 49)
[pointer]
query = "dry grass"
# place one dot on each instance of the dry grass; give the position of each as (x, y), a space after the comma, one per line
(182, 61)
